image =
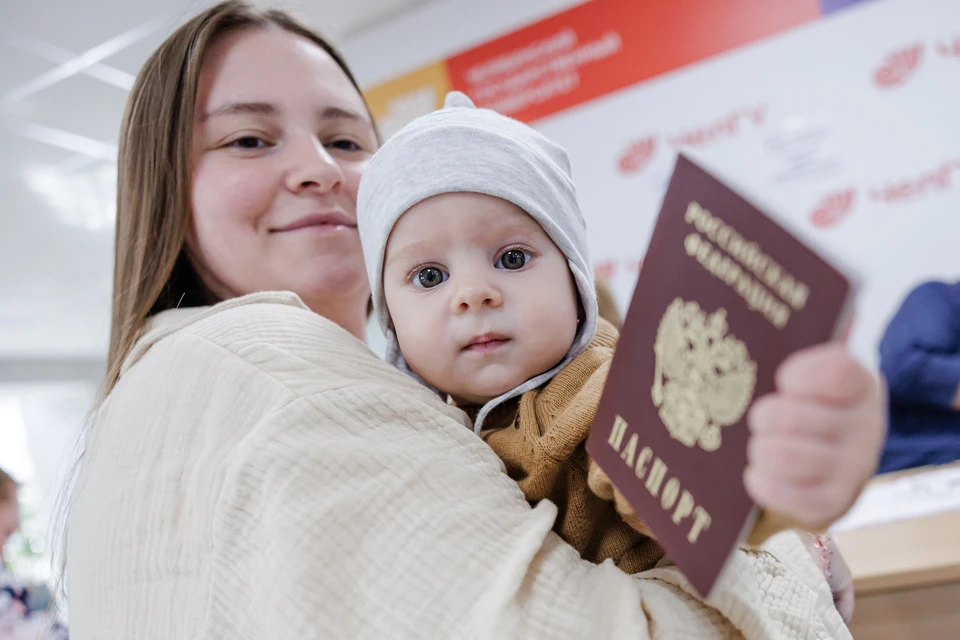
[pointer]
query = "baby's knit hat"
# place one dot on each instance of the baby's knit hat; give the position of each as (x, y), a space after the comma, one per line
(461, 148)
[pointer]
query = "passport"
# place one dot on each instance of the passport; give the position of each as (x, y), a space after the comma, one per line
(725, 294)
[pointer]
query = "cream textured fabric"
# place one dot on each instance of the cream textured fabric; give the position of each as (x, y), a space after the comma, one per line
(258, 473)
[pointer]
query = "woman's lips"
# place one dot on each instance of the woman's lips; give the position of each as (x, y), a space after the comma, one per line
(329, 221)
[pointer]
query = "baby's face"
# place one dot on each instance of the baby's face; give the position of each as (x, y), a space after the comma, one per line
(481, 299)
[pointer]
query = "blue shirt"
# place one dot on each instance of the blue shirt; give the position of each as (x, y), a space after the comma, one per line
(920, 358)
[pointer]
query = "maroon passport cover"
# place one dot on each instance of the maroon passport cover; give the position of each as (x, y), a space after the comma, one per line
(724, 296)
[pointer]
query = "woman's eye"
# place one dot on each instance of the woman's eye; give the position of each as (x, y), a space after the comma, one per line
(513, 260)
(346, 145)
(430, 277)
(249, 142)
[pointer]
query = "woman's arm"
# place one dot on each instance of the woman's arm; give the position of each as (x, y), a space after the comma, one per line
(920, 351)
(260, 474)
(367, 512)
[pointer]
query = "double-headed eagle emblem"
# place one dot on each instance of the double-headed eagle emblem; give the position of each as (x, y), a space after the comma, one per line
(704, 377)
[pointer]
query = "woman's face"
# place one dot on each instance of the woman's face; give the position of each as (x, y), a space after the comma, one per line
(281, 138)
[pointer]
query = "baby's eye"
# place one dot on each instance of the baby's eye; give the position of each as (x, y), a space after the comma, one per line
(513, 260)
(430, 277)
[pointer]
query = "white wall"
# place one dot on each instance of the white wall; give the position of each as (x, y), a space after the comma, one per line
(820, 125)
(437, 30)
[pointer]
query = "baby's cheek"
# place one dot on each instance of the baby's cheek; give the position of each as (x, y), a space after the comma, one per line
(551, 342)
(430, 358)
(418, 341)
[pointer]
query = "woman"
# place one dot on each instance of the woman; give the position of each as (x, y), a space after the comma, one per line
(254, 471)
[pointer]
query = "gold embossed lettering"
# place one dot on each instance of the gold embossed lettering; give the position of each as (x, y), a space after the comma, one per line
(675, 499)
(684, 507)
(711, 229)
(785, 287)
(671, 491)
(701, 521)
(642, 459)
(723, 237)
(780, 316)
(655, 479)
(772, 275)
(703, 251)
(630, 450)
(800, 295)
(691, 243)
(713, 262)
(616, 433)
(735, 247)
(772, 283)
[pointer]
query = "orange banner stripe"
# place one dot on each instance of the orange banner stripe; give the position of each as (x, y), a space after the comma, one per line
(605, 45)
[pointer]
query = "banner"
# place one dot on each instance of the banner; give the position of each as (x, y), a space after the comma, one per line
(583, 53)
(837, 119)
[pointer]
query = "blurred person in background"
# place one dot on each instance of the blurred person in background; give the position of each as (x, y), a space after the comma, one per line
(18, 619)
(9, 508)
(920, 358)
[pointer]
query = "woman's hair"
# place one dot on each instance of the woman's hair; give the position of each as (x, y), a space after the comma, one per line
(8, 488)
(152, 271)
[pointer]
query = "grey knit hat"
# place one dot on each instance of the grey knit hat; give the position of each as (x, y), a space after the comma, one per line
(461, 148)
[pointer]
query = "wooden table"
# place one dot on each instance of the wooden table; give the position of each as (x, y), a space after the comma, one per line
(907, 577)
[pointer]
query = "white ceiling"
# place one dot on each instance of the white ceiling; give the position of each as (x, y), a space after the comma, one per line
(65, 67)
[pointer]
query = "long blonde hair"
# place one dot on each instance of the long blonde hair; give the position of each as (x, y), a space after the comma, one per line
(152, 271)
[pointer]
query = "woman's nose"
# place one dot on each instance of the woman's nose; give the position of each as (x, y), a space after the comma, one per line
(313, 168)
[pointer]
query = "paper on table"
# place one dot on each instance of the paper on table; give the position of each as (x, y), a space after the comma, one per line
(911, 496)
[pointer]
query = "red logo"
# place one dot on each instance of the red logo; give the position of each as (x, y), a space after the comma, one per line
(608, 269)
(723, 128)
(938, 179)
(899, 66)
(638, 155)
(605, 270)
(832, 209)
(948, 49)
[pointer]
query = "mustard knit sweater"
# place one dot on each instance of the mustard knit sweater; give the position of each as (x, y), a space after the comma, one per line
(541, 438)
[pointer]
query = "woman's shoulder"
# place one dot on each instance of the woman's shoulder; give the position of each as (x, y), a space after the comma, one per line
(245, 368)
(273, 333)
(254, 317)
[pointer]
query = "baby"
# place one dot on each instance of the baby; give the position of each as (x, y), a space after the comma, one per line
(477, 256)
